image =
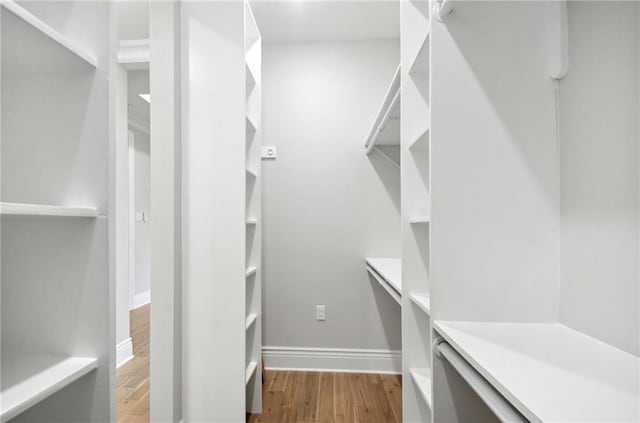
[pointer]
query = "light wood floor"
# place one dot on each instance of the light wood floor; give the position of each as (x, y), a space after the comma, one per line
(288, 397)
(306, 397)
(133, 376)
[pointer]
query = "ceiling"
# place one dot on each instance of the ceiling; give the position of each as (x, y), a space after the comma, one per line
(332, 20)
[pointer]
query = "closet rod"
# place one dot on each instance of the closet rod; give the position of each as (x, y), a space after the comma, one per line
(383, 122)
(503, 409)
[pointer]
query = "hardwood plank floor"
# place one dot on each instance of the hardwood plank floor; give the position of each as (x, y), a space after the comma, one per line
(133, 376)
(307, 397)
(288, 397)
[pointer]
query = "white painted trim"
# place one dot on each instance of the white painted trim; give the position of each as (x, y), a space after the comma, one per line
(134, 54)
(124, 352)
(345, 360)
(141, 298)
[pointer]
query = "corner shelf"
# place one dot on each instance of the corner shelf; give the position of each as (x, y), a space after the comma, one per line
(388, 273)
(251, 319)
(252, 173)
(252, 221)
(23, 209)
(28, 379)
(386, 126)
(251, 270)
(422, 300)
(533, 364)
(422, 379)
(41, 46)
(251, 370)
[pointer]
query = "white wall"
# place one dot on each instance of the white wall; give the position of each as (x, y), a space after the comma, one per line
(599, 165)
(326, 204)
(494, 176)
(133, 19)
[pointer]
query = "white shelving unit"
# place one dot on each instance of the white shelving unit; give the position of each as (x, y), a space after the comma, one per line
(253, 306)
(388, 273)
(415, 180)
(56, 337)
(385, 132)
(536, 365)
(20, 209)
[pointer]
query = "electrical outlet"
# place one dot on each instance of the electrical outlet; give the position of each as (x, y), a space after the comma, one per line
(321, 313)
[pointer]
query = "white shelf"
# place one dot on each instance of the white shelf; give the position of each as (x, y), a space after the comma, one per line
(251, 80)
(388, 272)
(422, 380)
(420, 63)
(386, 126)
(27, 379)
(251, 319)
(251, 270)
(420, 142)
(251, 370)
(251, 127)
(419, 219)
(422, 300)
(252, 221)
(31, 45)
(550, 372)
(22, 209)
(252, 173)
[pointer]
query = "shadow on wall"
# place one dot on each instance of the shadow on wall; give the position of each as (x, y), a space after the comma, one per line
(388, 312)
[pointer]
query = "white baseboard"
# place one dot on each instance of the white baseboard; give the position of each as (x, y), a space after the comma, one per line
(143, 298)
(332, 360)
(124, 352)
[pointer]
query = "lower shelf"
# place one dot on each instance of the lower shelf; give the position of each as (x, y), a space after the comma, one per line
(251, 370)
(22, 209)
(422, 380)
(28, 379)
(250, 320)
(533, 365)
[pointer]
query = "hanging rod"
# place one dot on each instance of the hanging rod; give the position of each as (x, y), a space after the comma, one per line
(442, 9)
(502, 408)
(383, 122)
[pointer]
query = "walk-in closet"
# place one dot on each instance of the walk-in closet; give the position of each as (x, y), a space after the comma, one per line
(295, 211)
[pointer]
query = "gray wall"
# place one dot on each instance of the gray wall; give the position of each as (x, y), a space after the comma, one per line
(326, 204)
(141, 200)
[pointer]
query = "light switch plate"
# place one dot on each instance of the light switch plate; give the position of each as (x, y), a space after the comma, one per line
(269, 152)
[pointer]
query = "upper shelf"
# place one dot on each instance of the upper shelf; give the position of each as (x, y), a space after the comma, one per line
(21, 209)
(30, 45)
(27, 379)
(388, 272)
(550, 372)
(386, 126)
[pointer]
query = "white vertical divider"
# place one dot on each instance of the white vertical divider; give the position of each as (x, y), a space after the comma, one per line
(253, 305)
(416, 332)
(221, 172)
(166, 207)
